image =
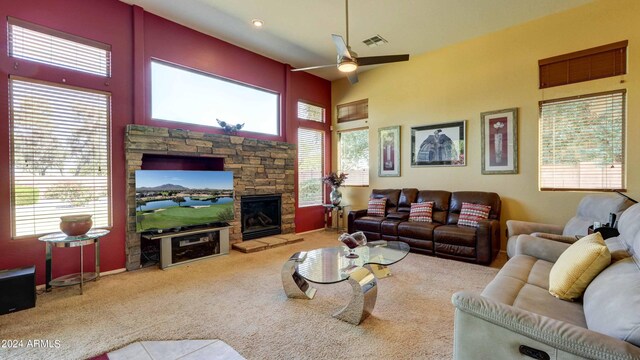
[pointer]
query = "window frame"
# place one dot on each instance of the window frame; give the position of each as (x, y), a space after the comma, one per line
(11, 21)
(206, 127)
(307, 102)
(623, 119)
(12, 152)
(339, 148)
(322, 166)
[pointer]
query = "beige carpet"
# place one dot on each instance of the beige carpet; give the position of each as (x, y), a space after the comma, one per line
(239, 299)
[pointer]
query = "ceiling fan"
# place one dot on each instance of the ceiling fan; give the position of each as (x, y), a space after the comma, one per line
(348, 61)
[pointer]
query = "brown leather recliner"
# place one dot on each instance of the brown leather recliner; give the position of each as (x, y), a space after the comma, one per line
(480, 244)
(419, 235)
(371, 225)
(443, 237)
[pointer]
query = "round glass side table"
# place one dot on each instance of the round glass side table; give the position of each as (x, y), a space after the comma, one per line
(62, 240)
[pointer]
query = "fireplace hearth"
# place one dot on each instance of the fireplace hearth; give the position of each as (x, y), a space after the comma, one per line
(261, 216)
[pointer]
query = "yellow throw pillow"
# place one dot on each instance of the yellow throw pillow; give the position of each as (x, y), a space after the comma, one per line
(577, 266)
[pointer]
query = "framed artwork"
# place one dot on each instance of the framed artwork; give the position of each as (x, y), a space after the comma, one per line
(389, 151)
(499, 141)
(439, 144)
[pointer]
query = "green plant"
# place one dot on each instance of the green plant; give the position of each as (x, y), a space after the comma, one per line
(26, 195)
(74, 193)
(225, 214)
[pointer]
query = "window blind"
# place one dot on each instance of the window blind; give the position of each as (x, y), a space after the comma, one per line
(354, 156)
(310, 167)
(60, 155)
(311, 112)
(582, 142)
(40, 44)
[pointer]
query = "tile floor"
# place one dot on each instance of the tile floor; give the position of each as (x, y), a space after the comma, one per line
(174, 350)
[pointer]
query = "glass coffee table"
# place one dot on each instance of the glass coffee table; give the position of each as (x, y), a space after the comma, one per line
(330, 266)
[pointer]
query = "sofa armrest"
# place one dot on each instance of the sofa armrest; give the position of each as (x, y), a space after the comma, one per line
(525, 325)
(488, 241)
(563, 238)
(517, 227)
(353, 215)
(541, 248)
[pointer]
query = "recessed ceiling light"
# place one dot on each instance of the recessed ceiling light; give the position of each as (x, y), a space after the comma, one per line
(257, 23)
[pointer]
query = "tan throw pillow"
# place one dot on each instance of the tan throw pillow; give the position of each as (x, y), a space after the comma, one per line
(577, 266)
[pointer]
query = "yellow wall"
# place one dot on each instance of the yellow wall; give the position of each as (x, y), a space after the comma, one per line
(493, 72)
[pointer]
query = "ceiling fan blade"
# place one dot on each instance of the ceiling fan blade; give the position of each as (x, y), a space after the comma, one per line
(353, 77)
(373, 60)
(341, 46)
(314, 67)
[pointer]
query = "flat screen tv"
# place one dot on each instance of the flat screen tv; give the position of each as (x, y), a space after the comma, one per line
(179, 199)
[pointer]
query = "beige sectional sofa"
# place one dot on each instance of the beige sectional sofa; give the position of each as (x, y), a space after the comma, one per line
(515, 313)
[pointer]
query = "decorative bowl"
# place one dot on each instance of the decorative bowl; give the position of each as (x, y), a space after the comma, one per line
(352, 241)
(75, 225)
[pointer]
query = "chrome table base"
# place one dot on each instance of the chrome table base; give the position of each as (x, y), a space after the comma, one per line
(363, 298)
(295, 286)
(362, 281)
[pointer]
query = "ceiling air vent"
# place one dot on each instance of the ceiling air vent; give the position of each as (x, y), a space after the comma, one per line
(376, 40)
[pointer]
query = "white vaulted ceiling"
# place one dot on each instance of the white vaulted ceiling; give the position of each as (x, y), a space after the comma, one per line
(298, 32)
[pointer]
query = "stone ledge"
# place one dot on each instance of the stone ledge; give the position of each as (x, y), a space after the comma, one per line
(251, 246)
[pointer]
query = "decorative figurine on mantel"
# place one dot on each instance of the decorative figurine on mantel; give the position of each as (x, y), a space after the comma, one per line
(335, 181)
(228, 128)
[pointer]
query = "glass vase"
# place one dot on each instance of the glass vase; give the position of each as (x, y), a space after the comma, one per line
(335, 196)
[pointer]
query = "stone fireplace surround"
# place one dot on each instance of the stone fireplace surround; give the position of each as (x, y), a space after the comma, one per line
(260, 167)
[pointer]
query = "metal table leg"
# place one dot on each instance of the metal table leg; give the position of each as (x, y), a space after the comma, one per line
(81, 268)
(363, 299)
(97, 253)
(49, 256)
(294, 285)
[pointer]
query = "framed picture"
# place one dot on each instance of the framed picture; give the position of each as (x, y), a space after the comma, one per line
(389, 151)
(439, 144)
(499, 141)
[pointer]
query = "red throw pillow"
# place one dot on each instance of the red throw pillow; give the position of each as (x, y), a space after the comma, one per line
(376, 207)
(421, 212)
(471, 213)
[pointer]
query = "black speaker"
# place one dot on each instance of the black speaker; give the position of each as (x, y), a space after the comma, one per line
(17, 289)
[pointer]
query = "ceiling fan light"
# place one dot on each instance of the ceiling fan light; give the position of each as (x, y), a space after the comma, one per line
(347, 65)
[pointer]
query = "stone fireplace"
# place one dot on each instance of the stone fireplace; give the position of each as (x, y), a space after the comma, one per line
(260, 216)
(260, 167)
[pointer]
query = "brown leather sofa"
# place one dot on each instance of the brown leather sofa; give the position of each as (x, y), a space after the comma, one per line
(442, 237)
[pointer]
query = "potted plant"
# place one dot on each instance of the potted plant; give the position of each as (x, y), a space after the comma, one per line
(335, 180)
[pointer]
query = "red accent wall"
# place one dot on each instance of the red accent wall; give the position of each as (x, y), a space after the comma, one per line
(303, 86)
(106, 21)
(136, 37)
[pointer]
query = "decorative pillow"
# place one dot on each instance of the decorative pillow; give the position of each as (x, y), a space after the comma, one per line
(421, 212)
(471, 213)
(376, 207)
(577, 266)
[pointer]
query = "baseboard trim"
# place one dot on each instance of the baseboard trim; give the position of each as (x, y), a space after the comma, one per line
(310, 231)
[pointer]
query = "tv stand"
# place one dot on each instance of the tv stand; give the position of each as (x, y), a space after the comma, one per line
(191, 245)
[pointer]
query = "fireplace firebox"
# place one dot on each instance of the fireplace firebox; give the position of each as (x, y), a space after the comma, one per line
(260, 216)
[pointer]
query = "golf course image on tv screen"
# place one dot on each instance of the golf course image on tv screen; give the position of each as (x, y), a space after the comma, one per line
(175, 199)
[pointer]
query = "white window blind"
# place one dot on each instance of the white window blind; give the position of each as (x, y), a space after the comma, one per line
(60, 155)
(310, 167)
(582, 142)
(311, 112)
(40, 44)
(354, 156)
